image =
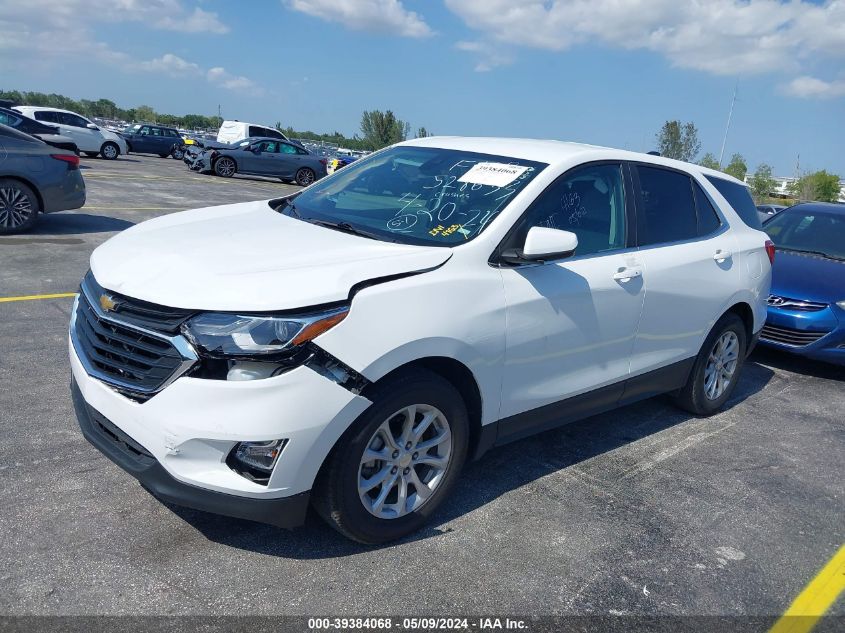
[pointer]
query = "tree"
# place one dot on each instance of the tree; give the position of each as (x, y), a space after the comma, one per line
(679, 141)
(737, 167)
(761, 182)
(381, 129)
(145, 113)
(422, 133)
(818, 186)
(709, 161)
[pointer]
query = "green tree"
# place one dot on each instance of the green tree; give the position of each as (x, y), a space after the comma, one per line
(737, 167)
(818, 186)
(762, 183)
(678, 140)
(423, 133)
(381, 129)
(145, 113)
(709, 161)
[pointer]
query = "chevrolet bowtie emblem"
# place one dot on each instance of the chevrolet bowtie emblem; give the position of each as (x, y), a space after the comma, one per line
(107, 303)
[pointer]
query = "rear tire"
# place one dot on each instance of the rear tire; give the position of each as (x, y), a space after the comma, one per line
(92, 154)
(225, 167)
(433, 458)
(716, 369)
(19, 207)
(109, 151)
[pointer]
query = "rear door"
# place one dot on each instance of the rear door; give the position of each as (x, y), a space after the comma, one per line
(690, 266)
(290, 160)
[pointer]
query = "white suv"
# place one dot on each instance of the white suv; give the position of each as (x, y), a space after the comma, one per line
(353, 344)
(89, 137)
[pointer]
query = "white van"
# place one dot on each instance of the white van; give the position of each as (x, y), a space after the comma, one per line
(232, 131)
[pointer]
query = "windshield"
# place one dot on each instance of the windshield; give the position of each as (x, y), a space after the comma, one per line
(418, 195)
(810, 230)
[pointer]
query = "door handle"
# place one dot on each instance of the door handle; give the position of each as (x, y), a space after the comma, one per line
(628, 273)
(721, 255)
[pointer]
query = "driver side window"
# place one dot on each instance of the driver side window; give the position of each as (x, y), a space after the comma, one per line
(588, 201)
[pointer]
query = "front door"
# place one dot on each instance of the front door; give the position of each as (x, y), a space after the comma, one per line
(571, 323)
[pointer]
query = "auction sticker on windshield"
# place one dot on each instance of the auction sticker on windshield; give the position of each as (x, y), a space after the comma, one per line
(494, 174)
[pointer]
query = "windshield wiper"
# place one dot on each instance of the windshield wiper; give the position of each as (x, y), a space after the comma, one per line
(809, 252)
(345, 227)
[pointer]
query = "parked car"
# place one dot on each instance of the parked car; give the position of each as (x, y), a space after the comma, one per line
(264, 157)
(806, 307)
(147, 138)
(770, 209)
(46, 133)
(195, 150)
(89, 137)
(445, 295)
(231, 131)
(35, 178)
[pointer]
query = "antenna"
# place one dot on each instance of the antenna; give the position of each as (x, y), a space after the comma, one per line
(728, 126)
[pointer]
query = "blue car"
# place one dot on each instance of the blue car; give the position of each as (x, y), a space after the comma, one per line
(806, 308)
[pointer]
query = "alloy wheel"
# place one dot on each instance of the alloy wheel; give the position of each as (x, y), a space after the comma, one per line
(109, 151)
(225, 167)
(405, 461)
(15, 207)
(304, 177)
(721, 365)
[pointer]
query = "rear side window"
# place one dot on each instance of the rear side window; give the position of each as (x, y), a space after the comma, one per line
(708, 219)
(739, 198)
(667, 209)
(46, 115)
(8, 119)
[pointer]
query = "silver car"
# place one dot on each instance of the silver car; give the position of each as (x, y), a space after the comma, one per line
(265, 157)
(35, 178)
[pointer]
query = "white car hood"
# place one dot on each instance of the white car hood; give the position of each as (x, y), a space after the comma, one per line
(247, 257)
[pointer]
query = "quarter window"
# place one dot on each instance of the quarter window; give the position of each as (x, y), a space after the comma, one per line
(667, 209)
(590, 202)
(46, 115)
(708, 219)
(739, 198)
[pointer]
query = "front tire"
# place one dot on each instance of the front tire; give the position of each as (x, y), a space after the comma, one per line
(109, 151)
(305, 177)
(177, 154)
(716, 369)
(397, 463)
(18, 207)
(225, 167)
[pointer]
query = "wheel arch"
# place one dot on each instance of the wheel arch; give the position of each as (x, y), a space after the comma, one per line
(115, 143)
(743, 310)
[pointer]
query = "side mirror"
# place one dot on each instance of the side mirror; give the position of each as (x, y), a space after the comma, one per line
(543, 244)
(91, 126)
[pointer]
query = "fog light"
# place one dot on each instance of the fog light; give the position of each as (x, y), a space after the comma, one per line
(255, 460)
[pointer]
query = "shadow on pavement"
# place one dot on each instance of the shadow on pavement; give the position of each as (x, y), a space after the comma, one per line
(501, 470)
(798, 364)
(75, 223)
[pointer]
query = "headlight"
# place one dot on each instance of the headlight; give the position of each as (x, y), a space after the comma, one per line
(243, 335)
(841, 304)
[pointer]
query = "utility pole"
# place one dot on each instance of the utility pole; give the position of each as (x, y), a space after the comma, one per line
(728, 126)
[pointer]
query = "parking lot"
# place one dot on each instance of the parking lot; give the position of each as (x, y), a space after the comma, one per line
(645, 510)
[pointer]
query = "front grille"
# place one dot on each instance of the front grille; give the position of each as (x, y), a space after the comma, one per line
(789, 336)
(146, 315)
(120, 440)
(798, 305)
(136, 363)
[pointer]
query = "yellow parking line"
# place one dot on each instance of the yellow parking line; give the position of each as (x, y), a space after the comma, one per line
(134, 208)
(816, 599)
(60, 295)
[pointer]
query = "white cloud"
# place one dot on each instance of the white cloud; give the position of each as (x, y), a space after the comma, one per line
(723, 37)
(385, 16)
(807, 87)
(197, 22)
(172, 65)
(225, 79)
(489, 55)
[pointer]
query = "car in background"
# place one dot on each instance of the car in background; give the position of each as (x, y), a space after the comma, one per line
(806, 307)
(35, 178)
(46, 133)
(767, 210)
(194, 150)
(231, 131)
(149, 138)
(89, 137)
(265, 157)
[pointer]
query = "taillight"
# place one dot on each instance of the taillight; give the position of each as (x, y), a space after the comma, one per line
(770, 251)
(325, 162)
(72, 160)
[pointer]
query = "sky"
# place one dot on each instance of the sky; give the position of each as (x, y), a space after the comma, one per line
(607, 72)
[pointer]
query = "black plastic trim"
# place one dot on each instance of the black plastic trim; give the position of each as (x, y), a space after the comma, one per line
(285, 512)
(556, 414)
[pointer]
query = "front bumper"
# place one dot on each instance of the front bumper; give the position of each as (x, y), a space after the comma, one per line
(285, 512)
(827, 324)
